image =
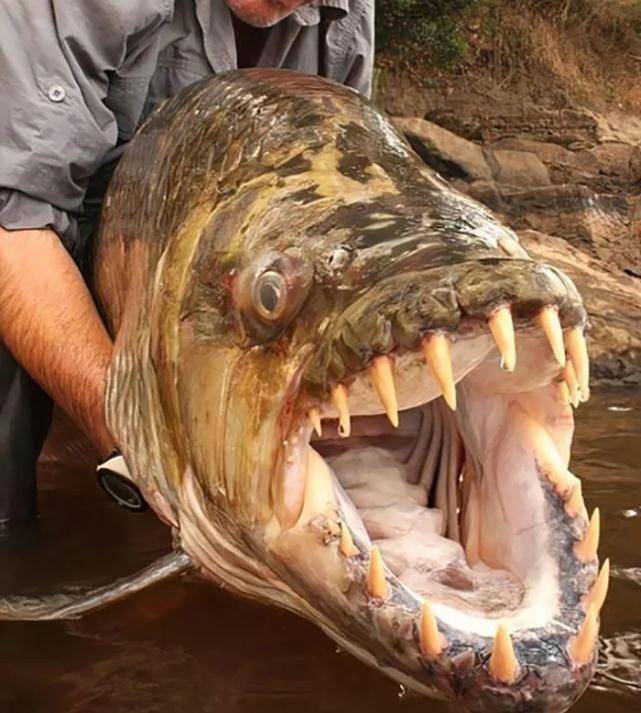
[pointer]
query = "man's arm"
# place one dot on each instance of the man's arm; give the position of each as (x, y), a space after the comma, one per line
(56, 125)
(49, 323)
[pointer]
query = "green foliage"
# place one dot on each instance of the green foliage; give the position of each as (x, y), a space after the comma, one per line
(434, 32)
(423, 30)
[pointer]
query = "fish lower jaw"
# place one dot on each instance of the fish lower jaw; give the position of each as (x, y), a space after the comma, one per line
(463, 529)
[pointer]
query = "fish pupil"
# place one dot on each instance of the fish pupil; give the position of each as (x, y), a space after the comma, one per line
(269, 296)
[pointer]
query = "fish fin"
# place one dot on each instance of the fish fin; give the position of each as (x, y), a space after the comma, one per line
(72, 605)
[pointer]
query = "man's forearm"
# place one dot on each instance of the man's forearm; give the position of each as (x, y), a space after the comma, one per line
(50, 324)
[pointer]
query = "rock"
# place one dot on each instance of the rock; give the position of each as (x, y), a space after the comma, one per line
(519, 169)
(563, 165)
(613, 301)
(445, 152)
(485, 192)
(563, 126)
(620, 160)
(619, 126)
(599, 224)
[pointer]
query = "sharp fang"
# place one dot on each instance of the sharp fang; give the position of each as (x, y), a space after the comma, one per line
(382, 375)
(376, 583)
(339, 398)
(573, 385)
(503, 666)
(587, 548)
(347, 546)
(575, 505)
(319, 489)
(315, 420)
(596, 596)
(430, 639)
(436, 349)
(551, 326)
(578, 353)
(502, 328)
(583, 644)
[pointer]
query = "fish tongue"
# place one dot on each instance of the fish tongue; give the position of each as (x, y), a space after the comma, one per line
(398, 519)
(373, 477)
(421, 549)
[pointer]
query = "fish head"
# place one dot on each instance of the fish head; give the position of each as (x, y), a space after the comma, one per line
(367, 386)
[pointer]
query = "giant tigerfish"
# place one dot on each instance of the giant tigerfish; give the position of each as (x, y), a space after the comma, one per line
(349, 390)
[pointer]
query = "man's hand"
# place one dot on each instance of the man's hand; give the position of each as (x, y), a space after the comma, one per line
(49, 322)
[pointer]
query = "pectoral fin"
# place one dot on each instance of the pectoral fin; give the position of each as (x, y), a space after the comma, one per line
(74, 604)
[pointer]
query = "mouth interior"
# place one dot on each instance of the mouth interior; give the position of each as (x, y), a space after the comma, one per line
(456, 501)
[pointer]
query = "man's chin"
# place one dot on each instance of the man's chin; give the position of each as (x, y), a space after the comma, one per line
(263, 13)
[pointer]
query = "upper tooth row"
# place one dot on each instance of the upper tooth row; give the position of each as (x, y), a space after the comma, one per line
(436, 350)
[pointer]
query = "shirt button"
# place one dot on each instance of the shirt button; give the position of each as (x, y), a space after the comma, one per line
(56, 93)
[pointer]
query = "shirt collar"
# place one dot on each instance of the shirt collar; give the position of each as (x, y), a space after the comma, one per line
(311, 14)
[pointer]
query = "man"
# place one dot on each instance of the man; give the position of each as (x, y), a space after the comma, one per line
(76, 80)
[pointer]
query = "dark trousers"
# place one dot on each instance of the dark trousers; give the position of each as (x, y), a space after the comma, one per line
(25, 416)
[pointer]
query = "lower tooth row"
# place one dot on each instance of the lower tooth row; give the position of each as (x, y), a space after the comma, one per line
(503, 664)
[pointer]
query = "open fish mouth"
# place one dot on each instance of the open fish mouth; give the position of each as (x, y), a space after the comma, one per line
(438, 472)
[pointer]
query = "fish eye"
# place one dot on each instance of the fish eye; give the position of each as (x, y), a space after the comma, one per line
(270, 295)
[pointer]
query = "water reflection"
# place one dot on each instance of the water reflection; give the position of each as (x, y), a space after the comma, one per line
(187, 646)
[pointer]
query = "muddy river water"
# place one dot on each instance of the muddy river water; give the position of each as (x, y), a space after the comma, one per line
(186, 646)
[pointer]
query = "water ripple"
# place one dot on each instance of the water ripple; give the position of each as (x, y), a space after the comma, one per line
(620, 661)
(632, 574)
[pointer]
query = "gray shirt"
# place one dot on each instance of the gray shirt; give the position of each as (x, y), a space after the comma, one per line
(77, 78)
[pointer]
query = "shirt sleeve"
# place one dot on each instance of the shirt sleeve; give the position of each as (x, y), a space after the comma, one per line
(56, 58)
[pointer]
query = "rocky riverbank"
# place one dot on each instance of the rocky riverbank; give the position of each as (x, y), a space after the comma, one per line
(569, 182)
